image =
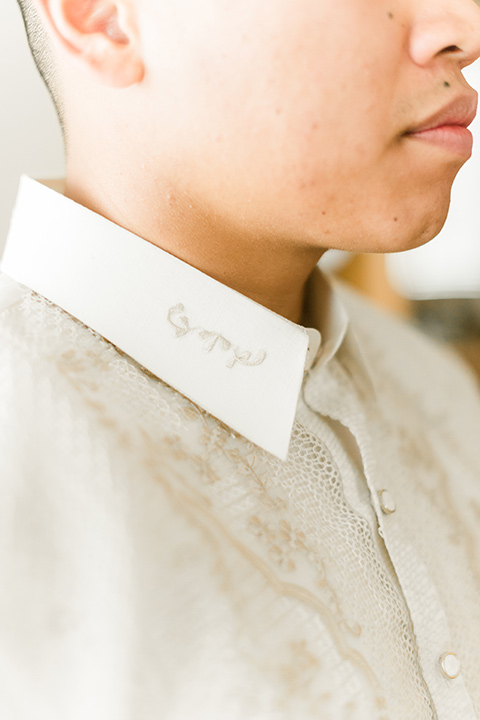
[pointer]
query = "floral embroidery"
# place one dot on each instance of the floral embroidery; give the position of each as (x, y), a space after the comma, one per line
(212, 339)
(283, 541)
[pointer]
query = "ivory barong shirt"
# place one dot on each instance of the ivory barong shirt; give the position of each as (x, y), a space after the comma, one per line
(211, 513)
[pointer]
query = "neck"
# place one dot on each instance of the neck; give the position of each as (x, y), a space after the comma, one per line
(273, 274)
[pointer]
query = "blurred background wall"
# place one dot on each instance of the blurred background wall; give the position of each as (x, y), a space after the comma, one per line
(30, 139)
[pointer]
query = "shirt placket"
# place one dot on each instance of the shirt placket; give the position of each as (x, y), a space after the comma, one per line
(353, 405)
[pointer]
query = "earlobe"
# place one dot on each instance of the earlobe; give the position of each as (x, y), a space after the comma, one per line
(99, 35)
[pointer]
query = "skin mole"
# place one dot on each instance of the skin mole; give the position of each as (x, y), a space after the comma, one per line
(390, 15)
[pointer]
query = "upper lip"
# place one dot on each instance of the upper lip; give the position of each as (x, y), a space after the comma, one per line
(460, 112)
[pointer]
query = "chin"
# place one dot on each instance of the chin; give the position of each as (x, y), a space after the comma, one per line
(400, 240)
(410, 227)
(397, 227)
(424, 213)
(424, 231)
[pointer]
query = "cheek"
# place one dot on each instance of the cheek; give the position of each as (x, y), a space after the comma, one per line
(341, 133)
(355, 197)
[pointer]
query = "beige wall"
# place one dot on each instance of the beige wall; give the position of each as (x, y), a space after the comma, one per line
(30, 140)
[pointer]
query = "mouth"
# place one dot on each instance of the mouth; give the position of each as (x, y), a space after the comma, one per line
(448, 127)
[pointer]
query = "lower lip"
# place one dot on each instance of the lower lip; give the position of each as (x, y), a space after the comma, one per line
(455, 138)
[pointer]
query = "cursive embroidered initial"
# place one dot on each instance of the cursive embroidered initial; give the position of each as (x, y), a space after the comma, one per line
(181, 324)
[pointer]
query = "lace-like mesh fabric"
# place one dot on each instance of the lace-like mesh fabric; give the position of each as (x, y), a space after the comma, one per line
(158, 565)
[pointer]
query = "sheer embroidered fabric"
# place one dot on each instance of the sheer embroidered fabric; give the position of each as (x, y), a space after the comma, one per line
(155, 564)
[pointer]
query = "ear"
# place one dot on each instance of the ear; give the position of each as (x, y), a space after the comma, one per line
(100, 35)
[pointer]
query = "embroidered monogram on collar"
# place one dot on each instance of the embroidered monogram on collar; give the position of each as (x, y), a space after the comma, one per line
(212, 339)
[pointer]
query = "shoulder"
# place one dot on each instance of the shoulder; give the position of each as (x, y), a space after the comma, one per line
(12, 295)
(62, 384)
(391, 341)
(11, 292)
(48, 361)
(26, 324)
(405, 363)
(12, 325)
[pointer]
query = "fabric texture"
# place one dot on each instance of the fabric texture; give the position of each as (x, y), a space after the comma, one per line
(155, 564)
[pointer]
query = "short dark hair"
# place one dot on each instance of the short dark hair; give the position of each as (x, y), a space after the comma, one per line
(42, 52)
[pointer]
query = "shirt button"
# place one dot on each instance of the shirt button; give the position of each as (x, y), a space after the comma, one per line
(387, 503)
(450, 665)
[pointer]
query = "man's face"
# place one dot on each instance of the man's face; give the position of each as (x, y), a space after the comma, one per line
(290, 119)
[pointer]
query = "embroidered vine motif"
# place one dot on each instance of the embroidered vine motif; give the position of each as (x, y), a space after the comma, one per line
(212, 339)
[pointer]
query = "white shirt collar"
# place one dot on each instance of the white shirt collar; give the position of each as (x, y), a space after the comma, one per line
(241, 362)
